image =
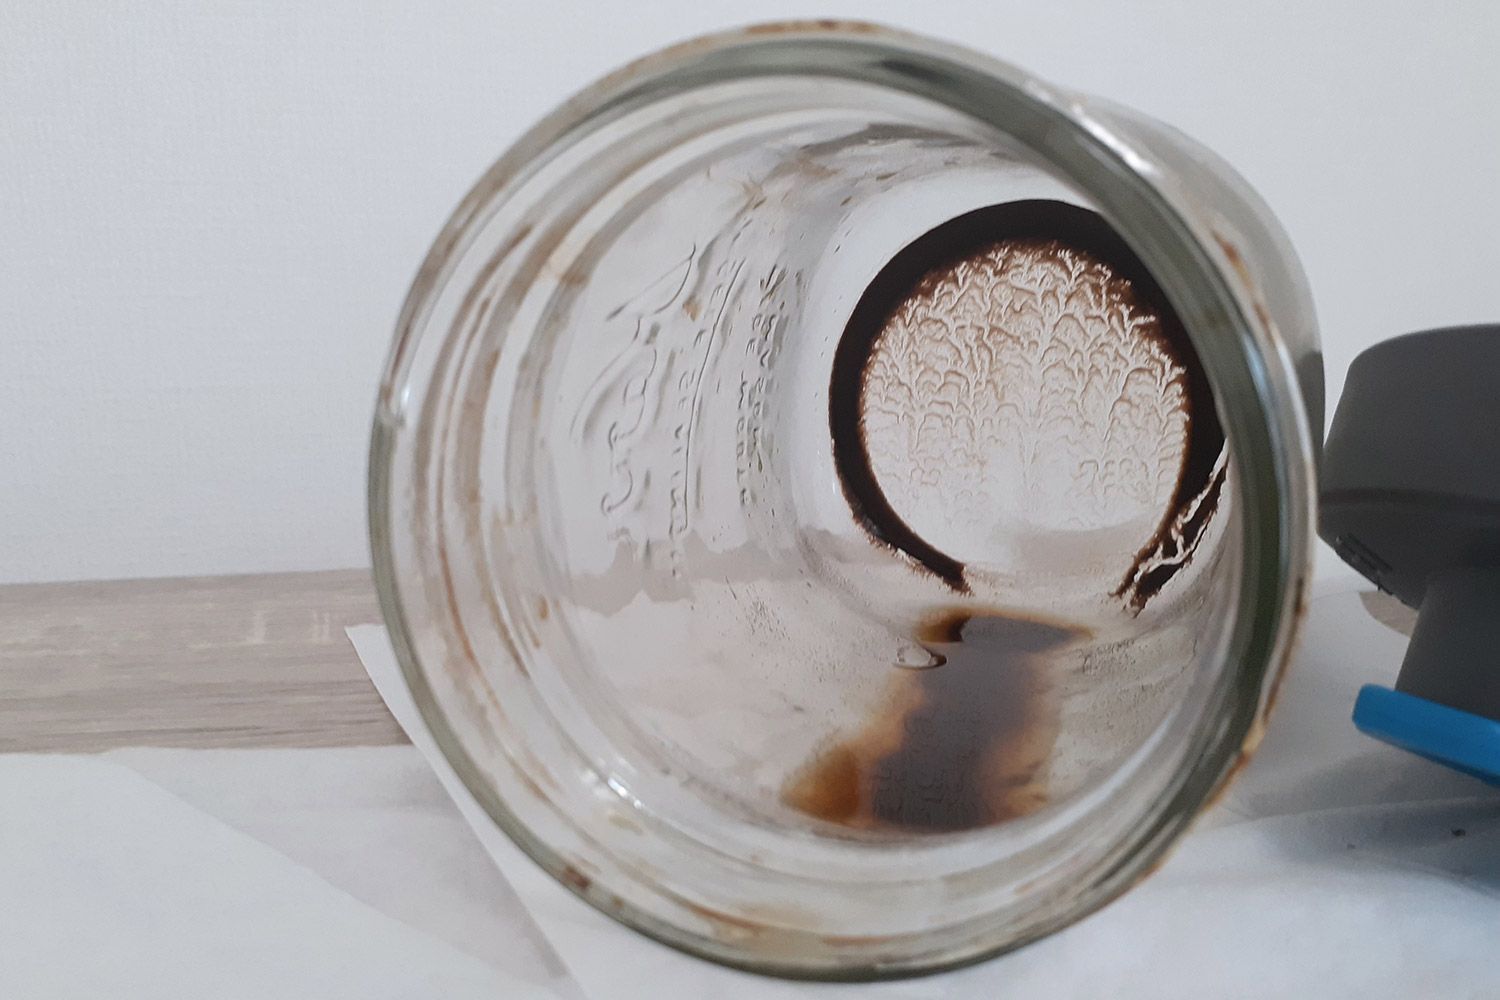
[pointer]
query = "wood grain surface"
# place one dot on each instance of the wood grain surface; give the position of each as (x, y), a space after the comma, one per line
(234, 661)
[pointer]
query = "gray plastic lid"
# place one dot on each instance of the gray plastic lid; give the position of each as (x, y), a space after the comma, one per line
(1410, 497)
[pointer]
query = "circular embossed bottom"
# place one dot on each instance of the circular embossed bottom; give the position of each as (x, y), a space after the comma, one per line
(1014, 392)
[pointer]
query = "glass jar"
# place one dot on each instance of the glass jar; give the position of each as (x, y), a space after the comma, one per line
(828, 716)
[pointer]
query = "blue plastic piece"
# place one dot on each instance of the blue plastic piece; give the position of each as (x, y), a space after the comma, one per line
(1461, 740)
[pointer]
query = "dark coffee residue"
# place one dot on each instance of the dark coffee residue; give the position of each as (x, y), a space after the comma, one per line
(927, 259)
(958, 746)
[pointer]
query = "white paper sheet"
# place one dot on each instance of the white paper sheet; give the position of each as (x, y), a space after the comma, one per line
(1336, 866)
(374, 823)
(110, 886)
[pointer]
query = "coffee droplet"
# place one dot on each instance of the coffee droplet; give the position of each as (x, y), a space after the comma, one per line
(912, 656)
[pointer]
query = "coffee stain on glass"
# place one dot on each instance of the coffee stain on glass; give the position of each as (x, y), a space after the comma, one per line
(1029, 326)
(956, 746)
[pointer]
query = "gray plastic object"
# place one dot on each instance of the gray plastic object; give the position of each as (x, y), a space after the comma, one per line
(1410, 497)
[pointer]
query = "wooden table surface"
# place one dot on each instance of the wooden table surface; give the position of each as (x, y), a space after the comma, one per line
(226, 661)
(230, 661)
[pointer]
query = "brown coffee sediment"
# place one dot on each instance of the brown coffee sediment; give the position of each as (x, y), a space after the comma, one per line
(955, 747)
(967, 743)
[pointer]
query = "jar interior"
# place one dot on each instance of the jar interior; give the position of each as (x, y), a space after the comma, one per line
(881, 686)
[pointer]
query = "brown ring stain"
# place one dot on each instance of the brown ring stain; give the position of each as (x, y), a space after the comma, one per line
(915, 274)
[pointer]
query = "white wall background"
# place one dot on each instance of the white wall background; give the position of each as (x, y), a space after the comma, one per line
(209, 214)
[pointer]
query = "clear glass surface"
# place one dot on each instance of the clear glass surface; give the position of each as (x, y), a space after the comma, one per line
(633, 588)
